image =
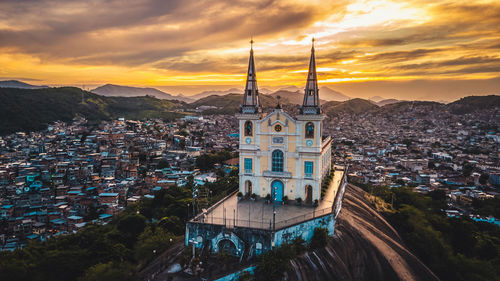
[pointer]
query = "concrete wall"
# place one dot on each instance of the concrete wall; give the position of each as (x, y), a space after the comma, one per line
(304, 230)
(245, 239)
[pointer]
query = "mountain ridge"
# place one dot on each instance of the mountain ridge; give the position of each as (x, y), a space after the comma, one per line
(19, 84)
(112, 90)
(34, 109)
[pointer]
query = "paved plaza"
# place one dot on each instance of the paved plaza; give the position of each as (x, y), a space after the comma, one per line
(259, 213)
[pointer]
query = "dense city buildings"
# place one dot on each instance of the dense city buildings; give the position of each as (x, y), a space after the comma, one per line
(56, 181)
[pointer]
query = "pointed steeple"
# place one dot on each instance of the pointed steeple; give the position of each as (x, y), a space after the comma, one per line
(251, 95)
(311, 95)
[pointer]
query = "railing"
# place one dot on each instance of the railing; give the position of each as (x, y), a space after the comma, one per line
(340, 194)
(231, 222)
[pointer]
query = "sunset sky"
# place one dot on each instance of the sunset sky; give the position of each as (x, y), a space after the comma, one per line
(435, 50)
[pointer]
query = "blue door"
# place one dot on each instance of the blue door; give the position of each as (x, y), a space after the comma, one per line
(277, 187)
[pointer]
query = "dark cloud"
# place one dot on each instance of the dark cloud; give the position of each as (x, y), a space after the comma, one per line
(141, 31)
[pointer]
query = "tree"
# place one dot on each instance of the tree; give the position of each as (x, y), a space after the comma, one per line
(319, 239)
(153, 240)
(110, 271)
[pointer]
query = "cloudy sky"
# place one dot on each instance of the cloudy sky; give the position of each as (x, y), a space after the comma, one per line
(436, 50)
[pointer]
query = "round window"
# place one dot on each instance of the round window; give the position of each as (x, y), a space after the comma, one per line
(277, 128)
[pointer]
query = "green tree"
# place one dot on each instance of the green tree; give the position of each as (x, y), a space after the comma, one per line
(319, 238)
(110, 271)
(152, 241)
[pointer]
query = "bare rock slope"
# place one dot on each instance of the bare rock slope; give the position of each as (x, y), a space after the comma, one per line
(365, 247)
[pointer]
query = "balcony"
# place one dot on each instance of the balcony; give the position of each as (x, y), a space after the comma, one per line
(271, 174)
(308, 175)
(247, 171)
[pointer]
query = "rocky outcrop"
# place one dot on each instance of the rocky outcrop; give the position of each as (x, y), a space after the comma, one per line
(365, 247)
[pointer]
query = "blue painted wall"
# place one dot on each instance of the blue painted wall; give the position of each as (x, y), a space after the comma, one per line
(304, 230)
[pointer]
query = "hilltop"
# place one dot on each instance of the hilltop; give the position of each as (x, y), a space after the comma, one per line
(230, 103)
(354, 106)
(34, 109)
(19, 84)
(111, 90)
(473, 103)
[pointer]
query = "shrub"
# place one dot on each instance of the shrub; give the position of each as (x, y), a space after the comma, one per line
(319, 239)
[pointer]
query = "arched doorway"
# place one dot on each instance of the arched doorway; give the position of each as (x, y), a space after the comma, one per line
(228, 246)
(309, 191)
(248, 188)
(277, 189)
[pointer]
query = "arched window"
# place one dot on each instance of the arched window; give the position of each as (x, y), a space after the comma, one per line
(277, 161)
(309, 130)
(248, 128)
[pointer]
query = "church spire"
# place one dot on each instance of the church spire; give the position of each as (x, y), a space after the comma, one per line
(311, 95)
(251, 95)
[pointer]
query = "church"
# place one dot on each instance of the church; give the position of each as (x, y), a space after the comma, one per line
(285, 159)
(281, 155)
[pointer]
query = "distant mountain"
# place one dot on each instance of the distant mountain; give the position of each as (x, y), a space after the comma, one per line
(265, 91)
(205, 94)
(291, 89)
(353, 106)
(110, 90)
(473, 103)
(230, 103)
(18, 84)
(328, 94)
(387, 101)
(376, 99)
(34, 109)
(288, 96)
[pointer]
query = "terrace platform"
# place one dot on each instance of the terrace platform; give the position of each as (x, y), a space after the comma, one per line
(232, 212)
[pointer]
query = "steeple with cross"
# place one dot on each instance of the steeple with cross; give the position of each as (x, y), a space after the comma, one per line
(311, 104)
(251, 104)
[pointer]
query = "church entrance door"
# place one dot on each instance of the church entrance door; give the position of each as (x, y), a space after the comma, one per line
(309, 191)
(277, 188)
(248, 188)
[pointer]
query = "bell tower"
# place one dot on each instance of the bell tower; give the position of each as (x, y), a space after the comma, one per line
(311, 96)
(251, 95)
(249, 116)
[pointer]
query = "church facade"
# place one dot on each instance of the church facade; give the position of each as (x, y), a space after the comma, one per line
(283, 156)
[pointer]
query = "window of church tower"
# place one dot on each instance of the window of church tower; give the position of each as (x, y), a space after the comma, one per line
(248, 128)
(277, 161)
(309, 130)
